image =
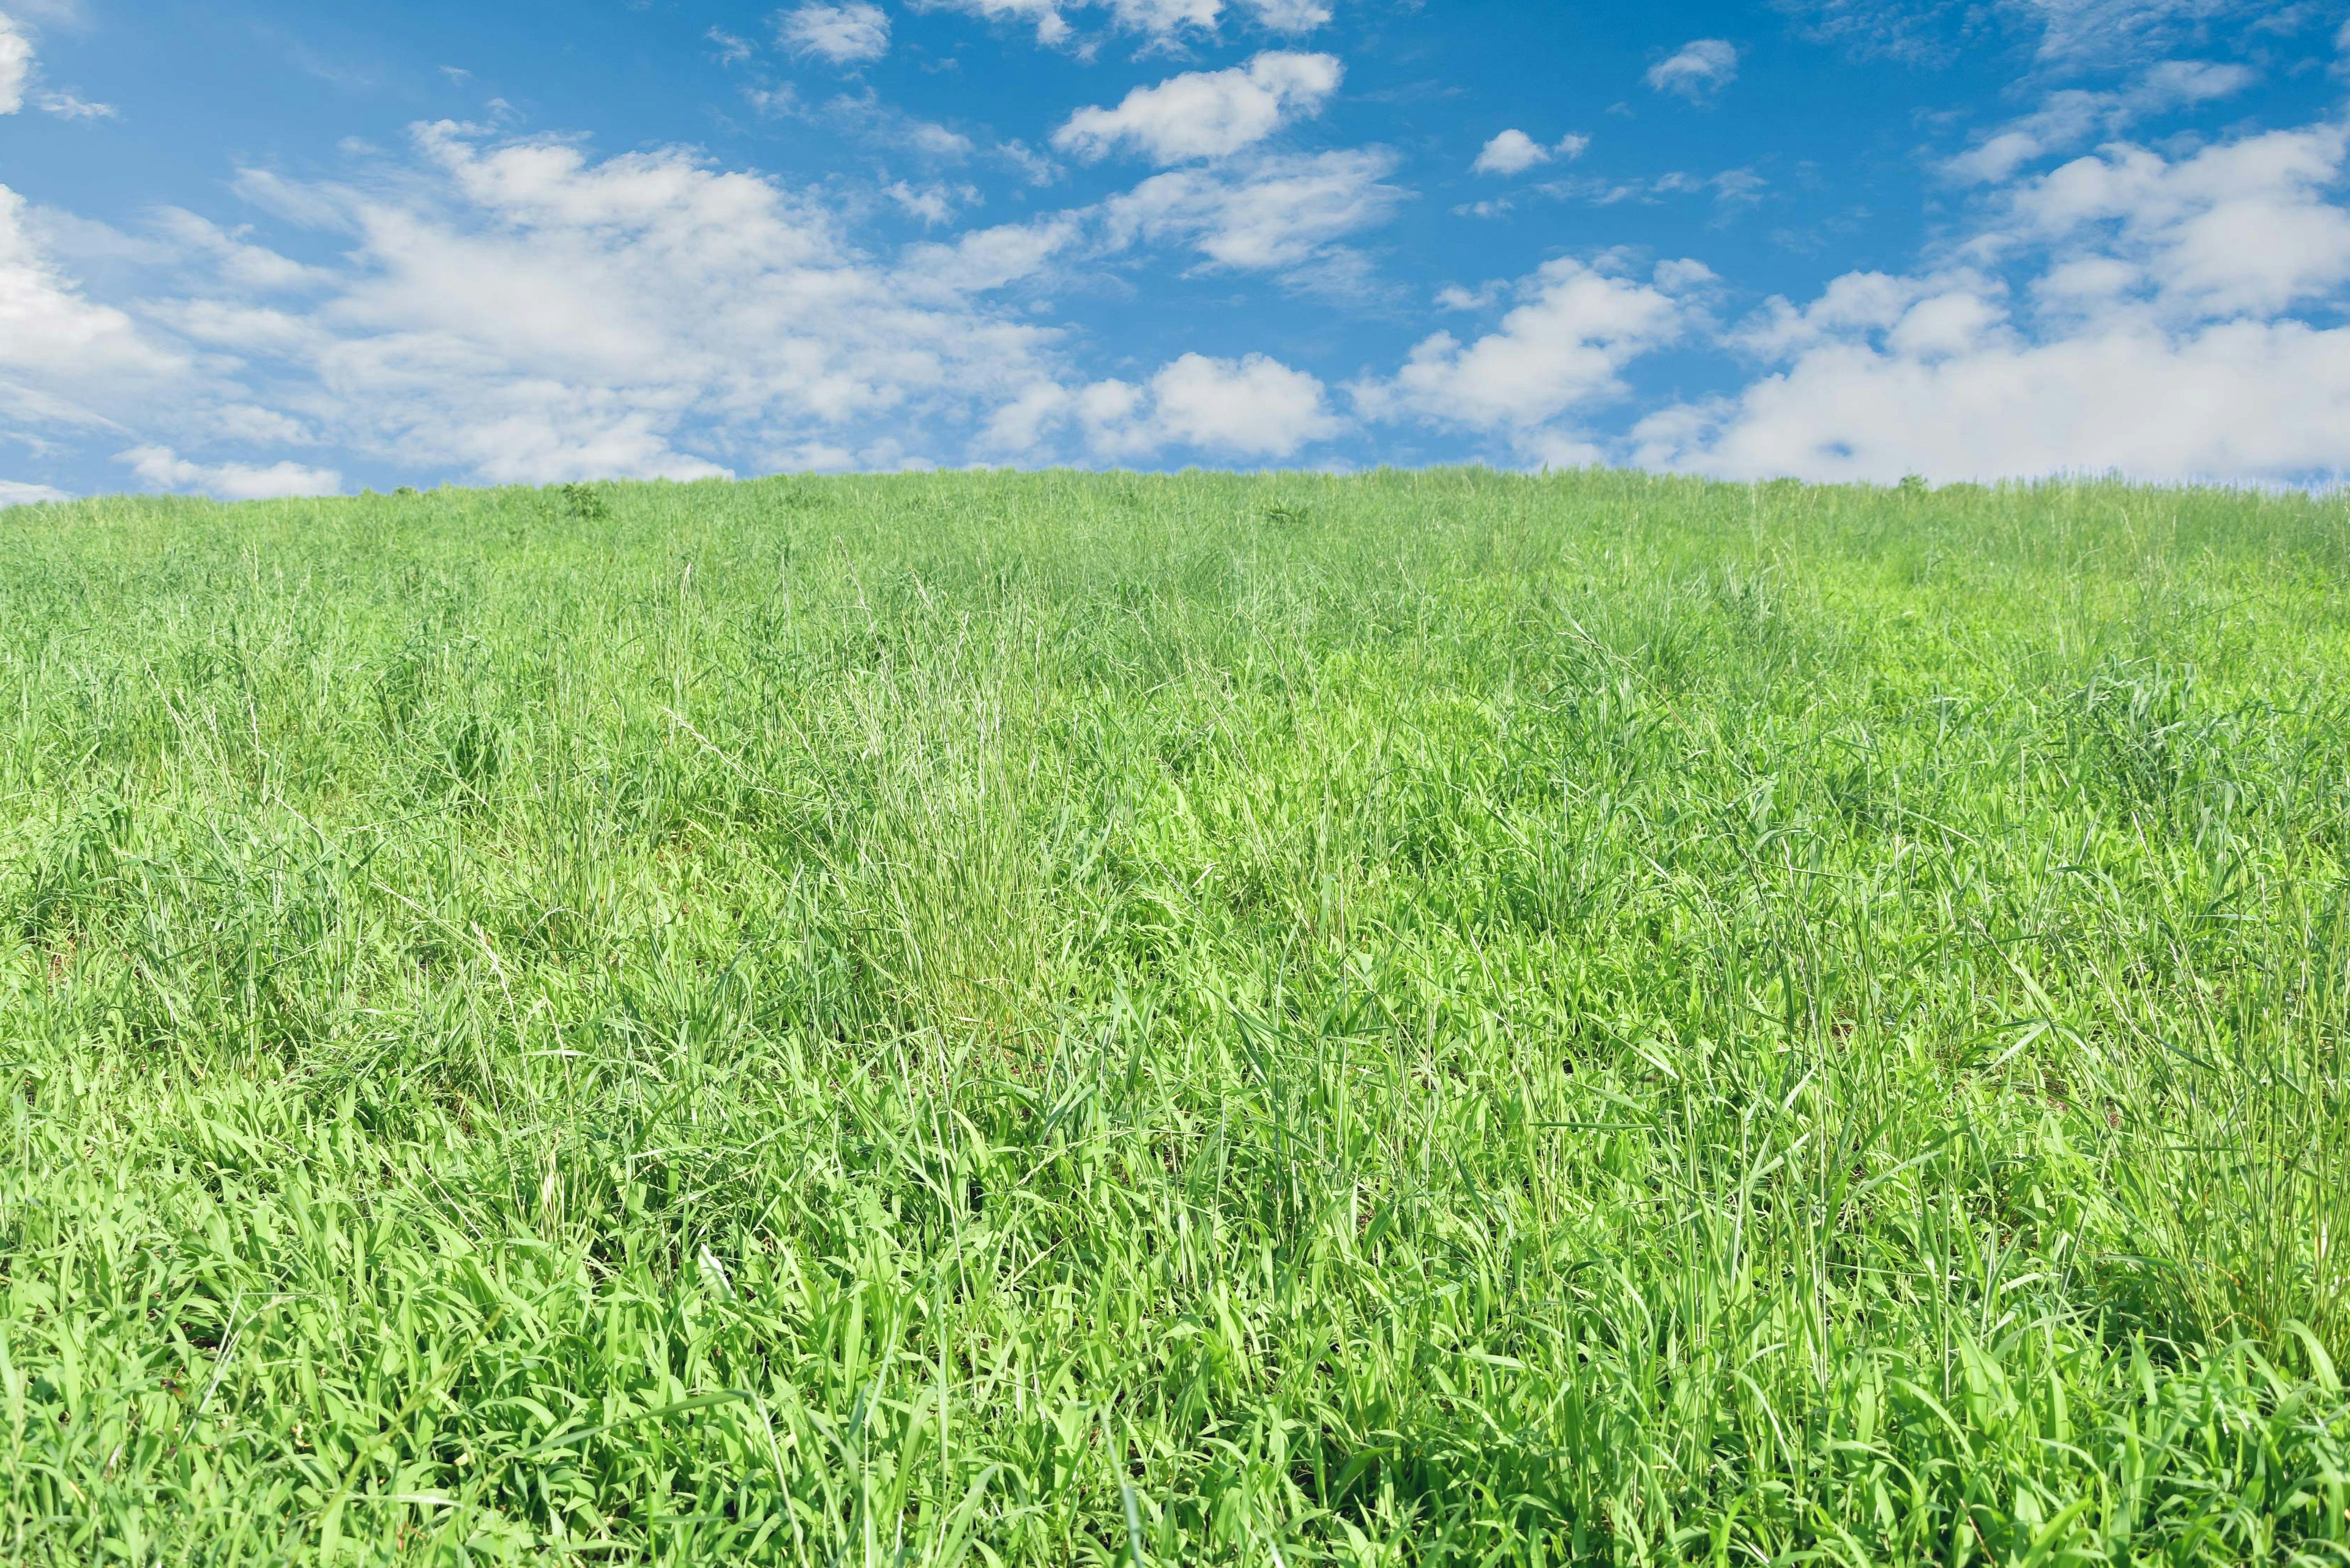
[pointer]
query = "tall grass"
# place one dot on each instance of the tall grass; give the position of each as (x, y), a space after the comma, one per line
(1420, 1018)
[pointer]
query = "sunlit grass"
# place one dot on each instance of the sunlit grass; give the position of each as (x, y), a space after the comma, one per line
(1055, 1019)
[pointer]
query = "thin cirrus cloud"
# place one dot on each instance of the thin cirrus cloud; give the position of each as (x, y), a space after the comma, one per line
(1205, 114)
(2064, 33)
(2089, 30)
(846, 35)
(1698, 70)
(1514, 152)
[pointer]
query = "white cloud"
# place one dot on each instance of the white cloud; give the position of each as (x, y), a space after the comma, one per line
(16, 65)
(17, 76)
(2067, 32)
(1257, 408)
(1511, 152)
(1698, 68)
(1560, 353)
(848, 34)
(1164, 18)
(1484, 296)
(160, 468)
(1251, 408)
(556, 317)
(2144, 330)
(1161, 20)
(2241, 227)
(1051, 27)
(868, 116)
(1206, 114)
(1290, 15)
(1271, 215)
(519, 311)
(16, 493)
(933, 204)
(2236, 400)
(62, 358)
(64, 106)
(1514, 152)
(983, 259)
(1730, 188)
(238, 262)
(2071, 116)
(1916, 32)
(2110, 29)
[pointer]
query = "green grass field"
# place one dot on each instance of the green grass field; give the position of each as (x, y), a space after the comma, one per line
(1423, 1018)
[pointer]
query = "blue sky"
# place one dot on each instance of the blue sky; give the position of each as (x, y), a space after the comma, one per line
(255, 247)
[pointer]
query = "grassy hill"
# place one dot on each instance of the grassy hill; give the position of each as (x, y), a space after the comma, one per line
(1051, 1019)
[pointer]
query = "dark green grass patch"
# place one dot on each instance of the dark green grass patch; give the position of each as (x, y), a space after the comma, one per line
(1420, 1018)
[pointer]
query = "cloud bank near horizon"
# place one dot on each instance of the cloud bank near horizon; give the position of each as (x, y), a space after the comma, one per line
(490, 303)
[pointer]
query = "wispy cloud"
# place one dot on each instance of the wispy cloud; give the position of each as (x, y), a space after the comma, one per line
(1163, 21)
(1206, 114)
(846, 35)
(1698, 70)
(16, 65)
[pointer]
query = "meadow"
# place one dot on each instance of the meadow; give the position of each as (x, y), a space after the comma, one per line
(992, 1019)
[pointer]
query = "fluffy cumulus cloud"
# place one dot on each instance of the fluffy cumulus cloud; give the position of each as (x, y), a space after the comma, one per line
(1514, 152)
(1557, 357)
(1698, 70)
(2242, 227)
(2125, 311)
(844, 35)
(1205, 114)
(1161, 19)
(1254, 408)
